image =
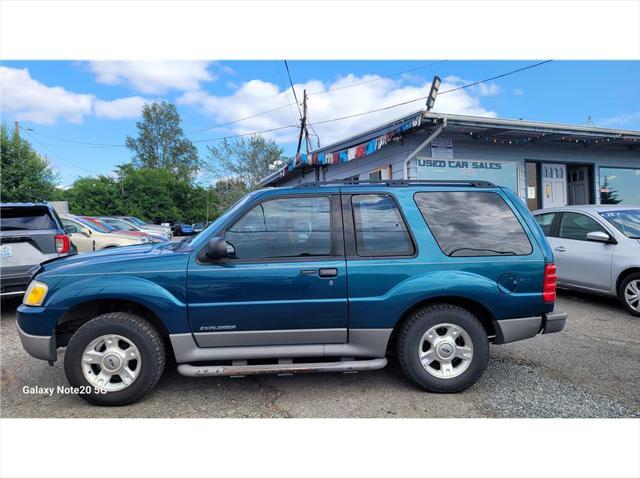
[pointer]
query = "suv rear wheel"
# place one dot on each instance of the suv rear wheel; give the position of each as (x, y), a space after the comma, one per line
(443, 348)
(114, 359)
(629, 293)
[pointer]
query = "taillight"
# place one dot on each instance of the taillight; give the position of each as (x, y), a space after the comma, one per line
(62, 243)
(550, 283)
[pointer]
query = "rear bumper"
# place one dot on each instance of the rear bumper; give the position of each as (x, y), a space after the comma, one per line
(512, 330)
(14, 280)
(42, 347)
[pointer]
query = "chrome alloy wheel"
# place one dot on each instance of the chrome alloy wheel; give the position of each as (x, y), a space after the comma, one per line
(111, 362)
(445, 350)
(632, 294)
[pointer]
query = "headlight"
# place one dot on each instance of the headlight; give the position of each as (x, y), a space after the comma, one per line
(35, 294)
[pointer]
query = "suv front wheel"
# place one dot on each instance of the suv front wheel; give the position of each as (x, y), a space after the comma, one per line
(114, 359)
(443, 348)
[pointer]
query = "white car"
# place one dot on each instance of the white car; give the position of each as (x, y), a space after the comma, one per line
(596, 249)
(88, 236)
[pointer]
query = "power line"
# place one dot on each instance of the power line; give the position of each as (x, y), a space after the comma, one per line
(284, 89)
(292, 88)
(425, 97)
(103, 145)
(57, 155)
(240, 119)
(376, 79)
(297, 103)
(246, 134)
(494, 77)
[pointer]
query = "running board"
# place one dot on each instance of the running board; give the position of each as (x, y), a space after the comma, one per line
(280, 368)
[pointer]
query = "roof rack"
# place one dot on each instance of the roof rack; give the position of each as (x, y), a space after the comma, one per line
(398, 183)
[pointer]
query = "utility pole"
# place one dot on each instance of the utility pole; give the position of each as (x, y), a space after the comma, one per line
(303, 125)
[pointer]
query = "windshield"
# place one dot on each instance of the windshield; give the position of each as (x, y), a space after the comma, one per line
(627, 221)
(118, 224)
(91, 225)
(135, 220)
(196, 240)
(99, 223)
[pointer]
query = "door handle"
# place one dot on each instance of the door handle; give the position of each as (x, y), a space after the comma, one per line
(559, 249)
(327, 273)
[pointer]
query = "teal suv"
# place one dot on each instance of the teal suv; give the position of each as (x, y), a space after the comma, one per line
(320, 277)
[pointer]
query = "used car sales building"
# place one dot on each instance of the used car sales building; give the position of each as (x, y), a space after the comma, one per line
(547, 164)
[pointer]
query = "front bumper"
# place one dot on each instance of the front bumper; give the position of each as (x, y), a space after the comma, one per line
(512, 330)
(42, 347)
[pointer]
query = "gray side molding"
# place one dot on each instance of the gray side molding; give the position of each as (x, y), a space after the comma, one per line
(271, 337)
(370, 343)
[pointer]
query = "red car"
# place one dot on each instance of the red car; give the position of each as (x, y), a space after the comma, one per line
(111, 228)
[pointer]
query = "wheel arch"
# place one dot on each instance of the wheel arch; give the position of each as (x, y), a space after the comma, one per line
(478, 309)
(83, 312)
(623, 275)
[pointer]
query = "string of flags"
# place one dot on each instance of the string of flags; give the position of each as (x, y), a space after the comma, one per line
(359, 151)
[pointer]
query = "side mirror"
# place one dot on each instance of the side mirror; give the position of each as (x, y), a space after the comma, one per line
(70, 229)
(599, 236)
(217, 248)
(86, 231)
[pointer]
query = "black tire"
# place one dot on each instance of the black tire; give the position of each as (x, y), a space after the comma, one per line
(623, 285)
(408, 345)
(136, 329)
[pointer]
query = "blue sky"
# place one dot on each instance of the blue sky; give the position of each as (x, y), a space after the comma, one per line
(64, 102)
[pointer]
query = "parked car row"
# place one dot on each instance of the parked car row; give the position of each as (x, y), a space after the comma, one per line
(183, 229)
(32, 233)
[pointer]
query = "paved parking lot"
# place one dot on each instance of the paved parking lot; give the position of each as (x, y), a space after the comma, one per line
(592, 369)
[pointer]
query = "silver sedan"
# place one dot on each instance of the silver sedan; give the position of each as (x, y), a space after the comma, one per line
(596, 249)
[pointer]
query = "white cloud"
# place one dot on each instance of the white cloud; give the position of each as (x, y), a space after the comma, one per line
(120, 108)
(620, 120)
(483, 89)
(153, 77)
(30, 100)
(257, 95)
(518, 92)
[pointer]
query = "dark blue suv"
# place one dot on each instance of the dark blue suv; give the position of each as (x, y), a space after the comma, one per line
(320, 277)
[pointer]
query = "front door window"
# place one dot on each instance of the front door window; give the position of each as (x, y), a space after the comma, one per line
(287, 227)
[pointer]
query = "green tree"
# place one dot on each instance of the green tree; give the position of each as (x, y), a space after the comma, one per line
(245, 159)
(25, 174)
(154, 194)
(94, 197)
(161, 143)
(227, 193)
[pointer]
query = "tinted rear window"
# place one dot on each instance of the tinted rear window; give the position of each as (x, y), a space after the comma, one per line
(26, 219)
(473, 224)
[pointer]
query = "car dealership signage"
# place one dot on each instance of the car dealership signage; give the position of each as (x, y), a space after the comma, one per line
(502, 173)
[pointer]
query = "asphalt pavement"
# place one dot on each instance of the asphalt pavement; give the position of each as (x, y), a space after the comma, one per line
(591, 369)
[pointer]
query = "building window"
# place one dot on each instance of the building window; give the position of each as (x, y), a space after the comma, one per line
(620, 186)
(379, 228)
(467, 224)
(375, 175)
